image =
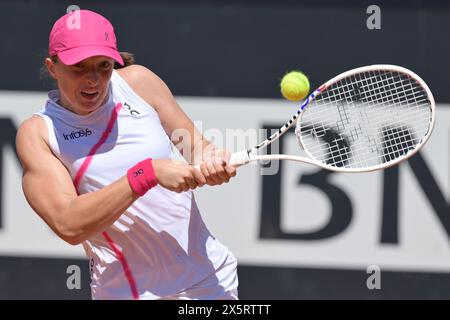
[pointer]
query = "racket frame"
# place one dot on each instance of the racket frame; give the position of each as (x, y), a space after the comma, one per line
(251, 155)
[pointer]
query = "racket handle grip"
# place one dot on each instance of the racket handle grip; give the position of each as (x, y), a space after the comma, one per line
(237, 159)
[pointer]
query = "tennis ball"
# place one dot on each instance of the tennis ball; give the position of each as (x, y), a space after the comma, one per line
(294, 86)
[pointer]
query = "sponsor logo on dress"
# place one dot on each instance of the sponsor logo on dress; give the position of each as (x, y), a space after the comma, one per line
(77, 134)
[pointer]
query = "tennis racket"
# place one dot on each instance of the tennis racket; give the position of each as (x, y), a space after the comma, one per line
(365, 119)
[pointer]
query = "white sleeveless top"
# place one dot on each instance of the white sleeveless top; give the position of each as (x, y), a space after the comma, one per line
(159, 247)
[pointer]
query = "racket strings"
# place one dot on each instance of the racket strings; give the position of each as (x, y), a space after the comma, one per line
(364, 116)
(367, 147)
(345, 89)
(383, 97)
(366, 119)
(392, 149)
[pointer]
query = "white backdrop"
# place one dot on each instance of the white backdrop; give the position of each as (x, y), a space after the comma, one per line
(232, 211)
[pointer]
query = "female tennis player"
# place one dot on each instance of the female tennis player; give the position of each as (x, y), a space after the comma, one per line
(99, 169)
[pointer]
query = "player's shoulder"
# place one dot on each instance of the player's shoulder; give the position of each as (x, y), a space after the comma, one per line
(136, 75)
(32, 128)
(145, 83)
(33, 125)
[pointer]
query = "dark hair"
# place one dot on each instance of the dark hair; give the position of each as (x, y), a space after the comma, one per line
(128, 60)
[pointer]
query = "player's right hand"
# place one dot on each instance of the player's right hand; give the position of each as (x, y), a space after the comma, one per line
(176, 175)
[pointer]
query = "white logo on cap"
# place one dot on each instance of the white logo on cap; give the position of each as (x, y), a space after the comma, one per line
(73, 21)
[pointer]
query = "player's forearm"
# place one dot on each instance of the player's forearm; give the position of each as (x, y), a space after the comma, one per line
(91, 213)
(192, 145)
(200, 150)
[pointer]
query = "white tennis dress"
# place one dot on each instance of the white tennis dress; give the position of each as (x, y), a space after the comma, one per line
(159, 247)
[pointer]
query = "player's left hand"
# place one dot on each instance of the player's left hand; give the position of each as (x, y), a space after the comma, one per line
(215, 167)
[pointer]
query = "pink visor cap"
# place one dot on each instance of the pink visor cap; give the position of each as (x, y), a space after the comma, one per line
(82, 34)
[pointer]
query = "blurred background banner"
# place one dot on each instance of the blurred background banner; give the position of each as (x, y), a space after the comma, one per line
(302, 233)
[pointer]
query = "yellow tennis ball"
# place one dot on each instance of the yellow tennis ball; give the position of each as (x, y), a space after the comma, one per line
(294, 86)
